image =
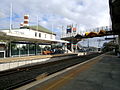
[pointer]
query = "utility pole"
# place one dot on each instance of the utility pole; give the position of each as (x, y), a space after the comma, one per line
(10, 17)
(62, 31)
(37, 22)
(88, 43)
(52, 31)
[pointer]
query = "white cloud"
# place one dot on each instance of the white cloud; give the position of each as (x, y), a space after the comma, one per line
(85, 13)
(1, 14)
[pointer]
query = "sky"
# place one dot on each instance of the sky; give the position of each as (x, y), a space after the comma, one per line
(95, 42)
(85, 13)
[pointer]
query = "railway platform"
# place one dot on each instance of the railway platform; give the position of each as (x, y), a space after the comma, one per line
(23, 58)
(99, 73)
(14, 62)
(103, 75)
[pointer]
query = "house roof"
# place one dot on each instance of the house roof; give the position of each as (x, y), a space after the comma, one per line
(39, 28)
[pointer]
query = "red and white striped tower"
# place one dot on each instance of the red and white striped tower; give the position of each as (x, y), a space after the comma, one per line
(26, 20)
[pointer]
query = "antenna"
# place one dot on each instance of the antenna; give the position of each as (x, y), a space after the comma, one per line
(62, 31)
(37, 22)
(52, 30)
(10, 16)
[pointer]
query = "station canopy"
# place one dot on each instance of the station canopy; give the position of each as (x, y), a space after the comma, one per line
(6, 36)
(115, 15)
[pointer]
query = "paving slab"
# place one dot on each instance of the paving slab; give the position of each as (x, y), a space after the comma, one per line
(104, 75)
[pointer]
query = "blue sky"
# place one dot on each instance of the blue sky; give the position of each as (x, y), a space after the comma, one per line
(85, 13)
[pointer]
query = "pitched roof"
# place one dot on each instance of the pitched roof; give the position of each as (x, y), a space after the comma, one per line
(37, 28)
(40, 28)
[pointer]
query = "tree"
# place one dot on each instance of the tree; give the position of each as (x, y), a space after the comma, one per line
(109, 46)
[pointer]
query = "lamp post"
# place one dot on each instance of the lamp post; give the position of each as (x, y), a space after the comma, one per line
(88, 43)
(52, 31)
(37, 22)
(61, 28)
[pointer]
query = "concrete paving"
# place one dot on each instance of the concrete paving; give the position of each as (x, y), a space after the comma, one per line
(104, 75)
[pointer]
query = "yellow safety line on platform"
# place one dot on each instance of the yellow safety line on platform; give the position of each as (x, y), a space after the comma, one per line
(56, 84)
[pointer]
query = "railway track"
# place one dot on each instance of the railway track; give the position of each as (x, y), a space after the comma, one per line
(20, 76)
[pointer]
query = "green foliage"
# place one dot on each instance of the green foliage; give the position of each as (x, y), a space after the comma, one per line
(47, 48)
(13, 46)
(56, 46)
(109, 46)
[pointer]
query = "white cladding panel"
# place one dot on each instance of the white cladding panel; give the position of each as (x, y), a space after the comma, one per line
(29, 33)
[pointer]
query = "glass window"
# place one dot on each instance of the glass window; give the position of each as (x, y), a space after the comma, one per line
(35, 34)
(39, 34)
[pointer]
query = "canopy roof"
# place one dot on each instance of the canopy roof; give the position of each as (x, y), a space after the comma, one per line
(37, 28)
(115, 15)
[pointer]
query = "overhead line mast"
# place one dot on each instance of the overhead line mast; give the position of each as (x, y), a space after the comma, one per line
(11, 16)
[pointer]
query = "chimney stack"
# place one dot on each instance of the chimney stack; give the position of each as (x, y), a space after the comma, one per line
(26, 20)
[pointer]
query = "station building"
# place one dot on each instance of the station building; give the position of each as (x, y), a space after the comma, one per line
(26, 40)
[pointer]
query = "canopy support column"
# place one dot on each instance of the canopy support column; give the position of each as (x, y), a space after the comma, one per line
(9, 50)
(19, 50)
(119, 45)
(36, 48)
(28, 49)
